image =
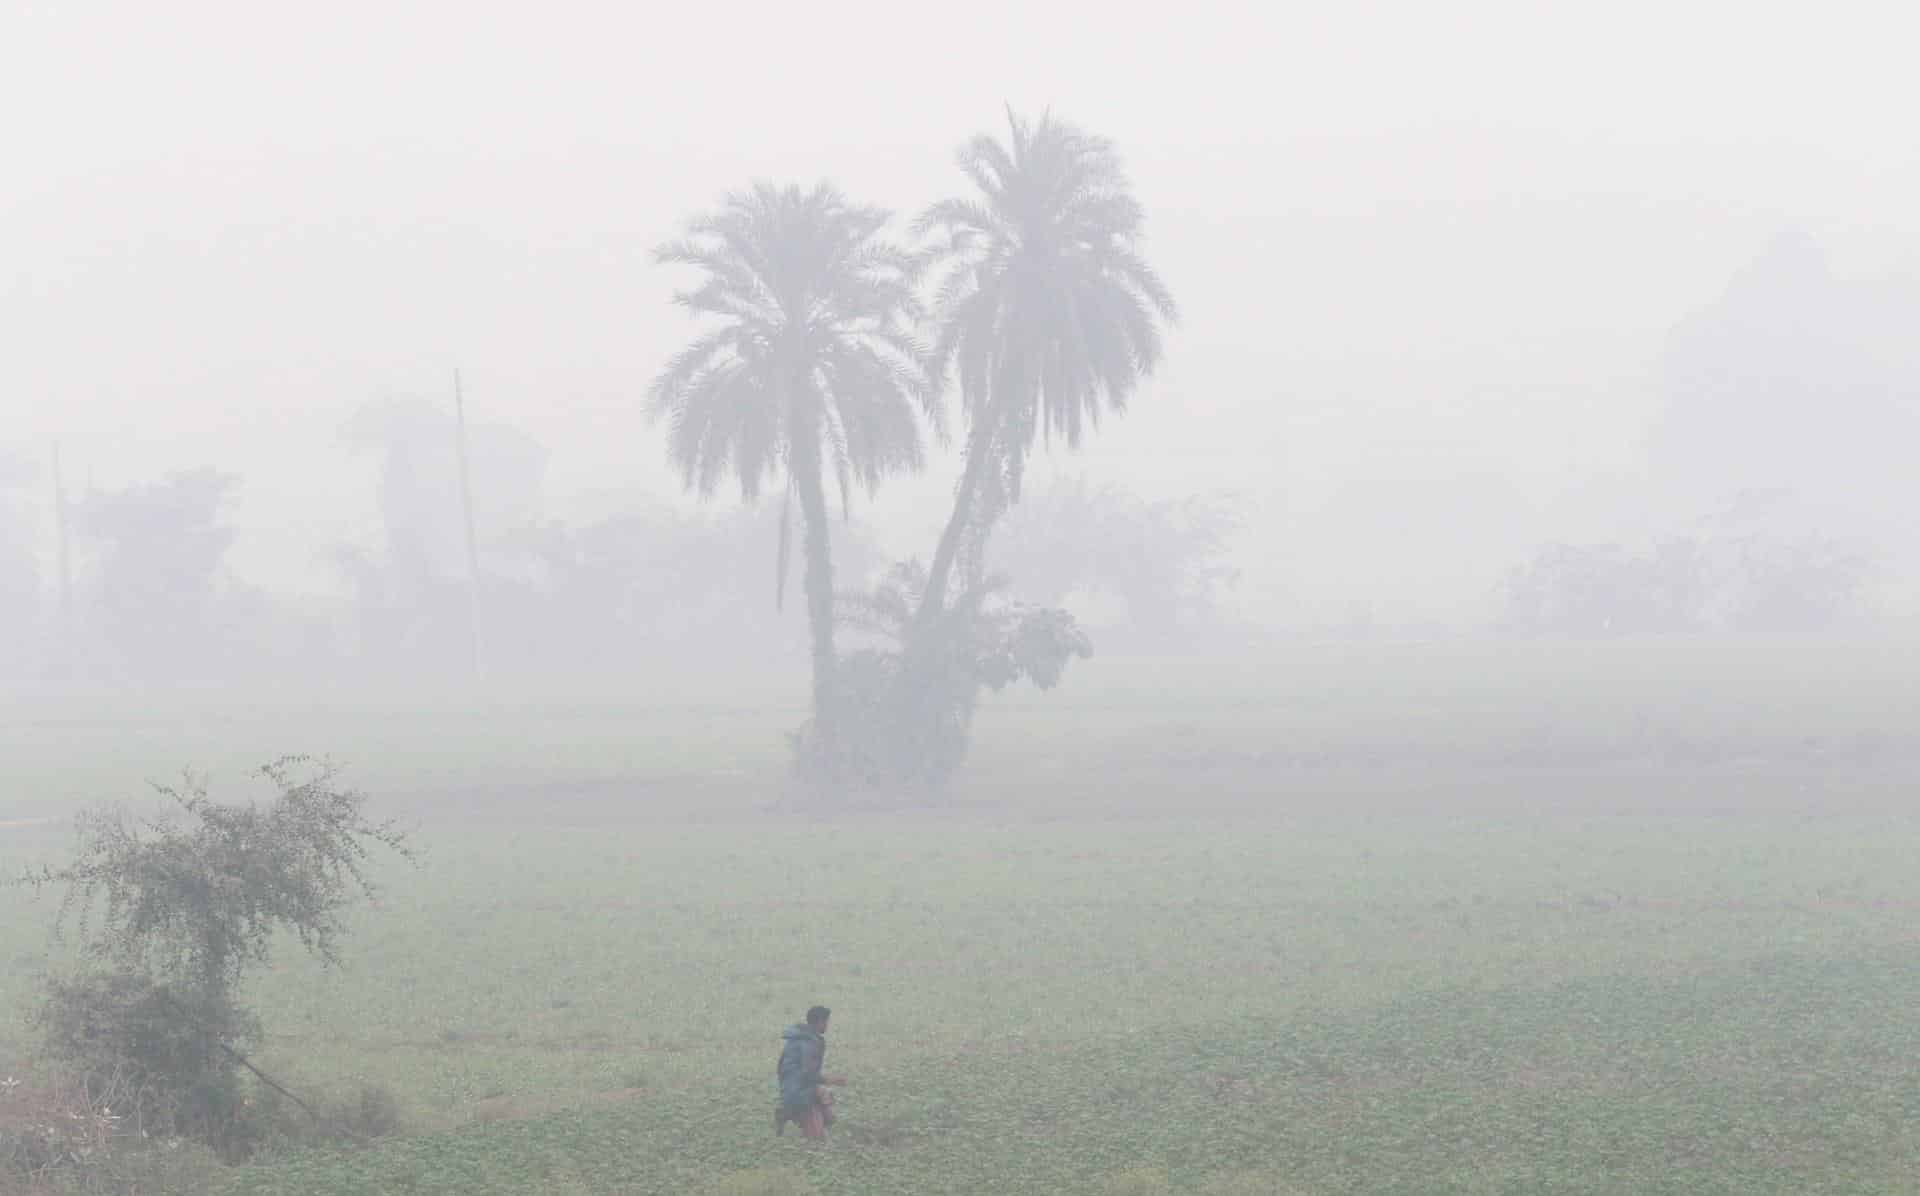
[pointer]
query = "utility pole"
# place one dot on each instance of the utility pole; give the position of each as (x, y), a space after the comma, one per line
(473, 551)
(65, 558)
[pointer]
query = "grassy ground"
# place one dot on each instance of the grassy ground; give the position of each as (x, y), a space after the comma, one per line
(1660, 705)
(1590, 1005)
(1149, 948)
(1325, 1003)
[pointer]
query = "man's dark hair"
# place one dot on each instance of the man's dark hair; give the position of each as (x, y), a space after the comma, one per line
(818, 1015)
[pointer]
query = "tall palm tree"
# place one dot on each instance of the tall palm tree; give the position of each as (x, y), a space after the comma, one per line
(814, 367)
(1046, 312)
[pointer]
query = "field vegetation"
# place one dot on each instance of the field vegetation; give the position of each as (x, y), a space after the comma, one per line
(1471, 939)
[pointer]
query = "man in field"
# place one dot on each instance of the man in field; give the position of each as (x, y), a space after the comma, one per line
(804, 1099)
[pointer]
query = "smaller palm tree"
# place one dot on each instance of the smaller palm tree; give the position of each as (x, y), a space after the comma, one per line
(813, 367)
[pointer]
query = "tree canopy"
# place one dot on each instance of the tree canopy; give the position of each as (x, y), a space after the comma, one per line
(1046, 311)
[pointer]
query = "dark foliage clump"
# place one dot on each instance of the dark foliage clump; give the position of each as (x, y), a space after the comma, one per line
(154, 1053)
(905, 702)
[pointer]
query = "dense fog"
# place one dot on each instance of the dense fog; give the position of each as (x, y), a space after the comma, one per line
(1264, 598)
(1471, 350)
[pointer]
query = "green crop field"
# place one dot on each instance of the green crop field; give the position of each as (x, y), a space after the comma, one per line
(1146, 948)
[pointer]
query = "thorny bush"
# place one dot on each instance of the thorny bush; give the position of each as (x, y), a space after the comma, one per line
(173, 909)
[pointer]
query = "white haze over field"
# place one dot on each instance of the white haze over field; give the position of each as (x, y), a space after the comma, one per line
(1443, 268)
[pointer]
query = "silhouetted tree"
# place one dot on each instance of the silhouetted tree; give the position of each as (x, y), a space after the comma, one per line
(1046, 316)
(418, 489)
(1046, 312)
(20, 615)
(814, 368)
(158, 549)
(411, 590)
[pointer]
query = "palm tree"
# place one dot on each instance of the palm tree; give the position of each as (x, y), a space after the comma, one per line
(814, 366)
(1046, 312)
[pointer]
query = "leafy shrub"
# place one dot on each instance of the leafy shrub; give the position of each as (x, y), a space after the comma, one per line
(156, 1050)
(187, 902)
(904, 704)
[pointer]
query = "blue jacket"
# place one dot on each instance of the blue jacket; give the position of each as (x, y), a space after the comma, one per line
(802, 1055)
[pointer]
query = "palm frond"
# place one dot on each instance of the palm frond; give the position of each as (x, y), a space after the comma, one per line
(816, 315)
(1043, 307)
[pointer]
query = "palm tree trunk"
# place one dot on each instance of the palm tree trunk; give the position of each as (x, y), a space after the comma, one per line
(919, 695)
(819, 587)
(979, 456)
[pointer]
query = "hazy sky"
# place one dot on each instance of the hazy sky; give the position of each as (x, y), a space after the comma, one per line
(1412, 242)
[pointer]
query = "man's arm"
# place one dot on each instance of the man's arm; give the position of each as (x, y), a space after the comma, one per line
(819, 1066)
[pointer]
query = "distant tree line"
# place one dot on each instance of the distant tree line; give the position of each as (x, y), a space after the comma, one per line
(650, 589)
(653, 588)
(1767, 583)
